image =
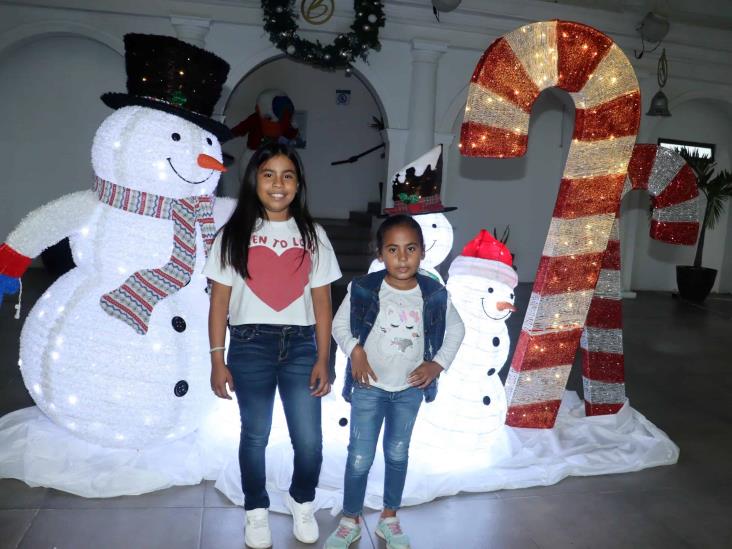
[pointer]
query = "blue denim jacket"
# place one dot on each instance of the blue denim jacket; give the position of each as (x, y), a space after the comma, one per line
(365, 308)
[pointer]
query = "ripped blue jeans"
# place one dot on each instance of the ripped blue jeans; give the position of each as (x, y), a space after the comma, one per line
(370, 408)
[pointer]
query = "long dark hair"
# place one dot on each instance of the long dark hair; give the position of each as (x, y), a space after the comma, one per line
(249, 212)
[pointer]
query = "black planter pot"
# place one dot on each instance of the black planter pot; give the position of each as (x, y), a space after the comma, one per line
(695, 283)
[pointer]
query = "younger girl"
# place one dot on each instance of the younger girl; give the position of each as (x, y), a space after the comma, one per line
(400, 331)
(271, 268)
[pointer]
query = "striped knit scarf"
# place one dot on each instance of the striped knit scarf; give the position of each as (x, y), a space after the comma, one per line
(134, 300)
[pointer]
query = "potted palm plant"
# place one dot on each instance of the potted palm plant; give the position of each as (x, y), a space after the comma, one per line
(694, 281)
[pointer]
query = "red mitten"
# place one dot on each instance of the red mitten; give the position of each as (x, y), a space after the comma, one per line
(12, 263)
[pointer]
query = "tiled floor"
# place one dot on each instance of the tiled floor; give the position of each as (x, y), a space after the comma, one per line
(679, 374)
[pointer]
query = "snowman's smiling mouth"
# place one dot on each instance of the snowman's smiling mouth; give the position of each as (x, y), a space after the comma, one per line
(482, 306)
(431, 245)
(188, 180)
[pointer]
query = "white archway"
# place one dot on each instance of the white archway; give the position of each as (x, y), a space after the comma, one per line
(51, 78)
(333, 132)
(266, 55)
(18, 36)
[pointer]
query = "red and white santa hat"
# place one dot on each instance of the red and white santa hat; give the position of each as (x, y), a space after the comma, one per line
(485, 257)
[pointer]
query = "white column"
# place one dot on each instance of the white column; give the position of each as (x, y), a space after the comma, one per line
(632, 211)
(446, 139)
(191, 29)
(397, 142)
(425, 56)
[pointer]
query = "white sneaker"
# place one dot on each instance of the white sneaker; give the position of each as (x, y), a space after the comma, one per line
(257, 534)
(304, 526)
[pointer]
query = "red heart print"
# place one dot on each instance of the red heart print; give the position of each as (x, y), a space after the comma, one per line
(278, 280)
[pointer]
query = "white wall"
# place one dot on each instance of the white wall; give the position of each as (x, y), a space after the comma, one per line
(707, 121)
(333, 133)
(516, 191)
(520, 192)
(50, 109)
(725, 276)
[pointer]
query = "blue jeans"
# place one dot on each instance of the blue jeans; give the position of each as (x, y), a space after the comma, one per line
(370, 407)
(262, 358)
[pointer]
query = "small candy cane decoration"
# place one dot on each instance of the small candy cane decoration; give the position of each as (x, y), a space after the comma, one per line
(507, 81)
(675, 219)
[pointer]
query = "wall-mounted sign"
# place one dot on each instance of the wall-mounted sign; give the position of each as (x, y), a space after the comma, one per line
(343, 97)
(317, 12)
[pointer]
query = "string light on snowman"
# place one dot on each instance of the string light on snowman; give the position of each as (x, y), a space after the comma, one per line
(115, 351)
(416, 191)
(438, 238)
(470, 410)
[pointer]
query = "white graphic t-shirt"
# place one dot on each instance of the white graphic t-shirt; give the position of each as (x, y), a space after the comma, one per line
(281, 275)
(395, 345)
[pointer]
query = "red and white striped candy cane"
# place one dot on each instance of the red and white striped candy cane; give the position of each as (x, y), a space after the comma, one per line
(675, 219)
(507, 81)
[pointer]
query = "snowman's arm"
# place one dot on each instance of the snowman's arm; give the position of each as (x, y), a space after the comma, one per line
(454, 334)
(222, 210)
(42, 228)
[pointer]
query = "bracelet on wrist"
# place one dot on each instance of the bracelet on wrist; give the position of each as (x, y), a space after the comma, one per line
(214, 349)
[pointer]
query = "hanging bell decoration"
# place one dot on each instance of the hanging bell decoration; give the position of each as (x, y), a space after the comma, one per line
(659, 102)
(659, 105)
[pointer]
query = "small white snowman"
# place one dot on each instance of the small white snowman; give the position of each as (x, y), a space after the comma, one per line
(116, 350)
(416, 192)
(470, 408)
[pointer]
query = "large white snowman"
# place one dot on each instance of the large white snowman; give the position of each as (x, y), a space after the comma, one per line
(117, 350)
(416, 192)
(468, 414)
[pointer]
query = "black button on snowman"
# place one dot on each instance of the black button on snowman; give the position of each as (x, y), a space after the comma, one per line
(157, 161)
(470, 404)
(181, 388)
(179, 324)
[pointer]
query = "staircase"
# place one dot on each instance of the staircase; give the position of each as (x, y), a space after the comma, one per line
(351, 239)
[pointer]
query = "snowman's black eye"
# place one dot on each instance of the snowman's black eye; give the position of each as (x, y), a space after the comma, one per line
(175, 136)
(434, 225)
(208, 140)
(490, 290)
(511, 296)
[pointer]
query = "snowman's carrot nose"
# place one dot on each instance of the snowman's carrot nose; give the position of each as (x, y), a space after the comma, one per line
(206, 161)
(505, 306)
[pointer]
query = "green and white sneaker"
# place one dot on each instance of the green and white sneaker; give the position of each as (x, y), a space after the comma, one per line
(347, 532)
(390, 531)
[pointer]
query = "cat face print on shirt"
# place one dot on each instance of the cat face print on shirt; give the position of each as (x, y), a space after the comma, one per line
(399, 331)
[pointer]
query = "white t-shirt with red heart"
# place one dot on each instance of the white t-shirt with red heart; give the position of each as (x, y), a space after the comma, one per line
(280, 277)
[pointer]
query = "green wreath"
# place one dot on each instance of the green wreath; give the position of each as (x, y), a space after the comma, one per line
(280, 23)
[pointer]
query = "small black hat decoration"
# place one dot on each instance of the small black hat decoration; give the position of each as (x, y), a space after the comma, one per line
(170, 75)
(416, 187)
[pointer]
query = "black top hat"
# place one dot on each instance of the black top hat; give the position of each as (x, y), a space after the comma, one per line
(170, 75)
(416, 187)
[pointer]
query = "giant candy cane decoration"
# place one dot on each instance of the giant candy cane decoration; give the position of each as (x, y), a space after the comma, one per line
(674, 198)
(507, 81)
